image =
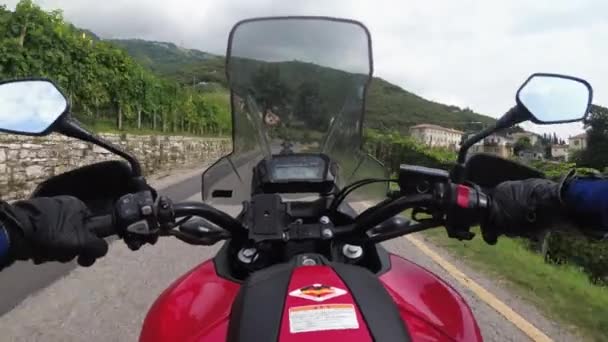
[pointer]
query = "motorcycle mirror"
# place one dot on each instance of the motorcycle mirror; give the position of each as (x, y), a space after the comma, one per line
(544, 99)
(37, 107)
(551, 98)
(30, 107)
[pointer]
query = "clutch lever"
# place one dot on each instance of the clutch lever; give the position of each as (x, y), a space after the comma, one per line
(198, 231)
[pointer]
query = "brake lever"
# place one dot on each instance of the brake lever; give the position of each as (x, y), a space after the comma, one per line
(399, 226)
(461, 234)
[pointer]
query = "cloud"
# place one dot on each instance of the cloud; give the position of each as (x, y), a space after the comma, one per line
(477, 52)
(346, 48)
(30, 106)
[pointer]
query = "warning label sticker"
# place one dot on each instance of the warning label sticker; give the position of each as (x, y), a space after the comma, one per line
(322, 317)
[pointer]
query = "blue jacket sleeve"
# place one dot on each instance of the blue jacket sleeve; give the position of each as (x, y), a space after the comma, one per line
(587, 198)
(4, 243)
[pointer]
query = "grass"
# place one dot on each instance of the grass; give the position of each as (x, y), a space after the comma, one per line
(562, 292)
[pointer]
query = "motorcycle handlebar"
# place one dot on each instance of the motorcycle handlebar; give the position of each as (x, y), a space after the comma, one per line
(103, 226)
(455, 199)
(378, 214)
(211, 214)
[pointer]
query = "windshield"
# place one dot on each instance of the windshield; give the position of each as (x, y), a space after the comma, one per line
(298, 86)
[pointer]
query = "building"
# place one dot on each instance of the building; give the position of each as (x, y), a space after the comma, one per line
(496, 144)
(434, 135)
(533, 137)
(578, 142)
(559, 152)
(497, 139)
(532, 154)
(271, 119)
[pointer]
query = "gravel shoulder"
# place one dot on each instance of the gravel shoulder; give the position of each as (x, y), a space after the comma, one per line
(489, 329)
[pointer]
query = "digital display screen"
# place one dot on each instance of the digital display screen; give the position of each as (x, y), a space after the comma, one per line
(298, 168)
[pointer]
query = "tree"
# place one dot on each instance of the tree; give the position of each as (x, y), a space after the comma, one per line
(522, 144)
(596, 153)
(269, 90)
(308, 106)
(219, 105)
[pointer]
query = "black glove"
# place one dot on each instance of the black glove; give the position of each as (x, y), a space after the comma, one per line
(51, 229)
(522, 209)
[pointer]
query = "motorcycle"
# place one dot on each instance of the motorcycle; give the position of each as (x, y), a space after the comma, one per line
(302, 258)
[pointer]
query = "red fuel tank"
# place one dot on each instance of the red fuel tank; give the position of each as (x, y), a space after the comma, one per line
(196, 307)
(432, 309)
(318, 307)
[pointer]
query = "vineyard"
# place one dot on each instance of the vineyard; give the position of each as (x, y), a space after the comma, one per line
(106, 86)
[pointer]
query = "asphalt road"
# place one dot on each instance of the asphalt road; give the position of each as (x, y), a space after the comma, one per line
(109, 301)
(24, 278)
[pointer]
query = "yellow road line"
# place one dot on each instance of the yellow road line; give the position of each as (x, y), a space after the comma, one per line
(534, 333)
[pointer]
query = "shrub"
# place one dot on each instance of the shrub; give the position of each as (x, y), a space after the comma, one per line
(394, 149)
(556, 170)
(591, 256)
(560, 247)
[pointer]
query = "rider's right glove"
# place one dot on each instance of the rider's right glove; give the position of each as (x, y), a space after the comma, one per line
(525, 208)
(522, 209)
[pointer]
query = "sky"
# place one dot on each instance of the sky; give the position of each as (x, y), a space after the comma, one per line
(346, 48)
(30, 106)
(470, 53)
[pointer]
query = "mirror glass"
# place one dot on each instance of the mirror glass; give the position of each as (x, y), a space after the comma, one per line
(554, 98)
(30, 107)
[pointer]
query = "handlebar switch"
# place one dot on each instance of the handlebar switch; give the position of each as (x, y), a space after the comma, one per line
(134, 207)
(414, 179)
(468, 198)
(465, 207)
(165, 213)
(140, 228)
(135, 214)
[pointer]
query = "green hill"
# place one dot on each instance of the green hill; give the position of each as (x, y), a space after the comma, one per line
(172, 61)
(388, 106)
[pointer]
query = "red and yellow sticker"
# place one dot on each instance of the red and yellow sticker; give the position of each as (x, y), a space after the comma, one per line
(317, 292)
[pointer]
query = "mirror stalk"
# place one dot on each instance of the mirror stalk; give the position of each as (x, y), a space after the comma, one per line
(514, 116)
(72, 128)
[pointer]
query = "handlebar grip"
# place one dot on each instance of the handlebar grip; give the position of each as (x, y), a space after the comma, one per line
(102, 226)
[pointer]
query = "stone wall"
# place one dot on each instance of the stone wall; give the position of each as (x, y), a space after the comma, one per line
(26, 161)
